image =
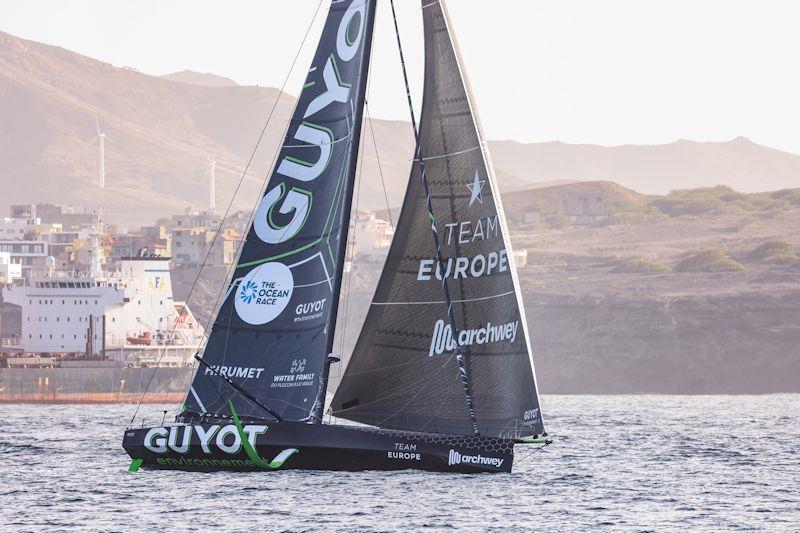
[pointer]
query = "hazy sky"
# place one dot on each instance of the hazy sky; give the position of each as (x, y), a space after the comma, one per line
(589, 71)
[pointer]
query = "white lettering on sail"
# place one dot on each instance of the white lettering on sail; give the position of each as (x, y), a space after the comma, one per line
(345, 47)
(315, 136)
(334, 90)
(468, 231)
(465, 267)
(442, 339)
(296, 201)
(235, 371)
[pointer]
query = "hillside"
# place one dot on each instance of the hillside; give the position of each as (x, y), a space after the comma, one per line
(696, 292)
(203, 79)
(739, 164)
(161, 131)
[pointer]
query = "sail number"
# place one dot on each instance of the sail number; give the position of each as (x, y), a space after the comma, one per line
(297, 200)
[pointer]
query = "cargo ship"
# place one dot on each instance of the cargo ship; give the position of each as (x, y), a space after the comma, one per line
(97, 337)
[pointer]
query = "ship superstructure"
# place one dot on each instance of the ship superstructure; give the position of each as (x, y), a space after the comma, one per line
(128, 315)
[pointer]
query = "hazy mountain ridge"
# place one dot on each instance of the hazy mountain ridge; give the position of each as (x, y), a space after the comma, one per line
(204, 79)
(160, 134)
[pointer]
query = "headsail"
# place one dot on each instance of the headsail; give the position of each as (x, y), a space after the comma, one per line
(276, 323)
(402, 373)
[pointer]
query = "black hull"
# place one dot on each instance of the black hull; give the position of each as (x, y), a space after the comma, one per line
(299, 446)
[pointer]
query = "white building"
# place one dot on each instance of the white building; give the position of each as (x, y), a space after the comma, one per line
(369, 235)
(26, 253)
(9, 271)
(521, 258)
(17, 228)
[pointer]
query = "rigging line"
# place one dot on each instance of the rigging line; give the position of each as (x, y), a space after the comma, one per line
(240, 389)
(352, 255)
(230, 203)
(467, 150)
(388, 208)
(441, 301)
(227, 286)
(380, 168)
(361, 149)
(462, 369)
(526, 457)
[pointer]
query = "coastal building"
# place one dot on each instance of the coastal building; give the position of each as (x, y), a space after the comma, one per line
(30, 255)
(17, 228)
(584, 208)
(68, 217)
(191, 246)
(370, 236)
(521, 258)
(9, 271)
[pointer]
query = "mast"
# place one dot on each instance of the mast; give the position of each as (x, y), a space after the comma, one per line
(462, 369)
(355, 139)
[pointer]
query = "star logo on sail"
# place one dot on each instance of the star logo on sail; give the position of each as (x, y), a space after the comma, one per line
(476, 189)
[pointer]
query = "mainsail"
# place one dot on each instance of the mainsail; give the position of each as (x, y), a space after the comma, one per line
(277, 320)
(403, 372)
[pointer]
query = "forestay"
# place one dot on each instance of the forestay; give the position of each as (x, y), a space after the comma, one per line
(277, 320)
(403, 374)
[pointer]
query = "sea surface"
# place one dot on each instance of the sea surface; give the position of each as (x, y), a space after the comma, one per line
(618, 462)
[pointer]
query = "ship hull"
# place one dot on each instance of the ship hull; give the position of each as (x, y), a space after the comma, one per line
(94, 385)
(230, 446)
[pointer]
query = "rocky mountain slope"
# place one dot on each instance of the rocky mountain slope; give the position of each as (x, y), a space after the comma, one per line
(161, 131)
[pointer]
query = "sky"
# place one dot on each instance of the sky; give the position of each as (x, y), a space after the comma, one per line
(605, 72)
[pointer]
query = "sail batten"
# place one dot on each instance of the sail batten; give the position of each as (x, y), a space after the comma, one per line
(276, 323)
(403, 373)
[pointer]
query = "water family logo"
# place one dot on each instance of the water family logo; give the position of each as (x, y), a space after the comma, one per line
(249, 292)
(442, 338)
(456, 458)
(264, 293)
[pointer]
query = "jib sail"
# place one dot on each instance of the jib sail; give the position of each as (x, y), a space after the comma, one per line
(276, 323)
(403, 373)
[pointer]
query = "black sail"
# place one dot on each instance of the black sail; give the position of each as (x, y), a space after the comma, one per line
(402, 373)
(277, 321)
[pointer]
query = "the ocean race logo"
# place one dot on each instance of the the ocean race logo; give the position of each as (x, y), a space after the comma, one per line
(456, 458)
(309, 153)
(442, 339)
(264, 293)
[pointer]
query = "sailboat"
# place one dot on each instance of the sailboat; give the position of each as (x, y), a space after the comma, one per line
(441, 377)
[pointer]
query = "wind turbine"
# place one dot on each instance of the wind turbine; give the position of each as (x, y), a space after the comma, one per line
(212, 192)
(102, 136)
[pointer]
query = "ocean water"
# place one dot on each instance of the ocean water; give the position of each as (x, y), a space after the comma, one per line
(619, 462)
